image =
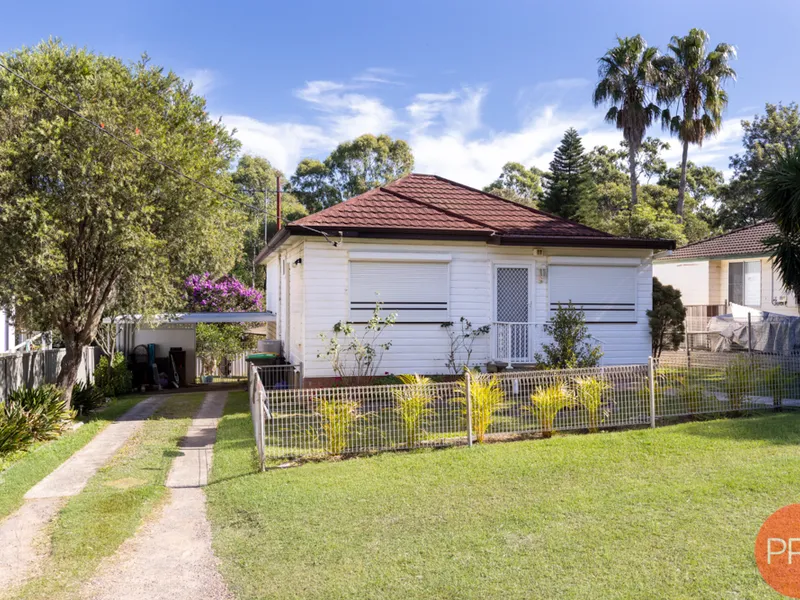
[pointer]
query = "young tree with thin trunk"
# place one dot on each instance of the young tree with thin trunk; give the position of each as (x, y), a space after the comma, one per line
(628, 79)
(86, 223)
(693, 80)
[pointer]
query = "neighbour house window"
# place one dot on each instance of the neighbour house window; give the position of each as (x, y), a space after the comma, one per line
(744, 283)
(419, 292)
(605, 294)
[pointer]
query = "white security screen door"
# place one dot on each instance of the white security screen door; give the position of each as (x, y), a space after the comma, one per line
(512, 310)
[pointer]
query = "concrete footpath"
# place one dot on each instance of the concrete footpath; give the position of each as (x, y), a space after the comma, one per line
(171, 557)
(23, 536)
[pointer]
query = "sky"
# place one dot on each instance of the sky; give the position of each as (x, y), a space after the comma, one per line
(470, 85)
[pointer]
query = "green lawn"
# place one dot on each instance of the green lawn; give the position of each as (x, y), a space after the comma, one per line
(665, 513)
(115, 502)
(21, 471)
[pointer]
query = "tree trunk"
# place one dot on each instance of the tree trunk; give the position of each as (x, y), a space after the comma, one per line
(70, 364)
(682, 186)
(634, 181)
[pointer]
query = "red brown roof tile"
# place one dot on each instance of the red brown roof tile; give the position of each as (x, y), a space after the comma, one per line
(744, 241)
(498, 213)
(380, 209)
(428, 205)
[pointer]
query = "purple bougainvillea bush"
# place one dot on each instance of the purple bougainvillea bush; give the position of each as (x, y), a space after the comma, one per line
(226, 294)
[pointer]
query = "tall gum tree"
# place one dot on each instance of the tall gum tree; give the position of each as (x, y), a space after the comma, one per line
(86, 223)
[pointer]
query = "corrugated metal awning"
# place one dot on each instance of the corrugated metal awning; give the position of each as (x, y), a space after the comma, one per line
(201, 317)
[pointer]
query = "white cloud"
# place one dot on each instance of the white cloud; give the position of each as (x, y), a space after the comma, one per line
(569, 83)
(347, 114)
(203, 80)
(379, 75)
(454, 112)
(478, 161)
(446, 129)
(284, 144)
(715, 151)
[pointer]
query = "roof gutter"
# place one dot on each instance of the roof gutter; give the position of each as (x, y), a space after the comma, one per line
(273, 244)
(488, 236)
(584, 242)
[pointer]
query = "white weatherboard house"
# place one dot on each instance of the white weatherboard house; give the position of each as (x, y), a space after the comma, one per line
(434, 251)
(731, 268)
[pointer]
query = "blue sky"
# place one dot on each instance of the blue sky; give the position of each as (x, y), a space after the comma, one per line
(471, 85)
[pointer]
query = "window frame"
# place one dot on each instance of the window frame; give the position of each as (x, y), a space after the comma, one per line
(743, 264)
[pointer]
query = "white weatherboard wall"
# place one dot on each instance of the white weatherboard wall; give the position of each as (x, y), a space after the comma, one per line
(692, 278)
(320, 296)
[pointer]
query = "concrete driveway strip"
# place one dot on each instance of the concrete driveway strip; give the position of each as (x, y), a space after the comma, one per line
(171, 557)
(23, 536)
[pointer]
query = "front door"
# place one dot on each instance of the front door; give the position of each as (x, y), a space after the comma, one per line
(512, 310)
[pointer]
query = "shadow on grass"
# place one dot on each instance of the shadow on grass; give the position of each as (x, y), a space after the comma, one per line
(775, 428)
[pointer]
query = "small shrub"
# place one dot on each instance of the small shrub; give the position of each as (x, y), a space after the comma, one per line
(667, 318)
(32, 415)
(15, 431)
(462, 343)
(113, 379)
(547, 403)
(356, 357)
(691, 394)
(589, 393)
(777, 383)
(413, 405)
(738, 381)
(339, 418)
(487, 399)
(571, 347)
(86, 398)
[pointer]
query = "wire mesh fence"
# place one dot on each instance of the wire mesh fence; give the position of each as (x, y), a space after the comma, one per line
(311, 423)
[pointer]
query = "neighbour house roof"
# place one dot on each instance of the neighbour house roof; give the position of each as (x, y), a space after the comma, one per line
(430, 207)
(746, 241)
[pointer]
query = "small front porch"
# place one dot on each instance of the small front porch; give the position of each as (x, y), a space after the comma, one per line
(514, 343)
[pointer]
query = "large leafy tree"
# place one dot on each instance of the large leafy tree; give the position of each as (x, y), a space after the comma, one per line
(781, 195)
(702, 183)
(654, 215)
(649, 163)
(570, 189)
(693, 80)
(256, 180)
(87, 223)
(765, 138)
(518, 183)
(628, 81)
(353, 168)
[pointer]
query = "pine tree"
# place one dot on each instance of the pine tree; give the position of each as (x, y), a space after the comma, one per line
(570, 190)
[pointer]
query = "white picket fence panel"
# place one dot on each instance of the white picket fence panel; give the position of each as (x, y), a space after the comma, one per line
(32, 369)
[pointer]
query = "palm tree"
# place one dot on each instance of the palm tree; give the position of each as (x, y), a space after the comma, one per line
(781, 185)
(693, 80)
(628, 79)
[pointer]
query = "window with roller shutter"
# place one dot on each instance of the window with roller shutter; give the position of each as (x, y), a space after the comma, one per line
(419, 292)
(606, 294)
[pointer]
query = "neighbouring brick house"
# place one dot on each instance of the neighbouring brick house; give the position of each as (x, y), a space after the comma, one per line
(734, 267)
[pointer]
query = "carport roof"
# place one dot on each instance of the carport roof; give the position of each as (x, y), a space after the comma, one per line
(202, 317)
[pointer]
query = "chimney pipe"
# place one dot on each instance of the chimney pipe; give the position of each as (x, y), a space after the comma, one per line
(278, 211)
